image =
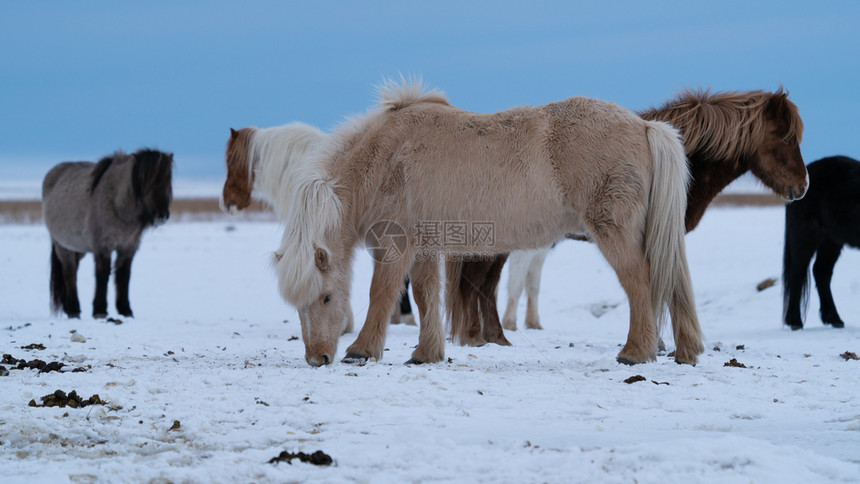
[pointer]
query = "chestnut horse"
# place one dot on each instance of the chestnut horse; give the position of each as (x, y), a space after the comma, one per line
(516, 179)
(725, 135)
(826, 220)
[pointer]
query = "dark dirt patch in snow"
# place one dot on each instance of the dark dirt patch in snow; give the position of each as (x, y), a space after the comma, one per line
(734, 362)
(318, 458)
(73, 400)
(36, 364)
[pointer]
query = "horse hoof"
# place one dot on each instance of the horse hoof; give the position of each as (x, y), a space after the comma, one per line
(355, 359)
(74, 315)
(625, 361)
(99, 315)
(413, 361)
(795, 327)
(835, 324)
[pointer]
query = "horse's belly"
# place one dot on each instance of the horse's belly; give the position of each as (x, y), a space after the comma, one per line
(67, 224)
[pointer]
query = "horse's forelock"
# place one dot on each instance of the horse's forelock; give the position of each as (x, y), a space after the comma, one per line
(151, 180)
(315, 215)
(299, 280)
(240, 175)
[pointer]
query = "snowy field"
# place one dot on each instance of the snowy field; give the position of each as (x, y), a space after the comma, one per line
(208, 382)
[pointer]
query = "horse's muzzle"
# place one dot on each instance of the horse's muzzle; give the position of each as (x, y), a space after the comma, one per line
(319, 360)
(797, 192)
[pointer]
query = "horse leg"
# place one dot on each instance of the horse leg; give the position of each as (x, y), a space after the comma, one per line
(492, 327)
(516, 280)
(102, 274)
(624, 253)
(533, 288)
(402, 312)
(426, 284)
(800, 246)
(64, 283)
(822, 270)
(347, 321)
(471, 295)
(385, 286)
(122, 277)
(406, 316)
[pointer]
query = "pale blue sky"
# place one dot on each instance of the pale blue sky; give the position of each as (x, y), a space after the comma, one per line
(80, 79)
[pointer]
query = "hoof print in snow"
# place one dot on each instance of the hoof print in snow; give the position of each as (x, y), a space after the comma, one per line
(318, 458)
(734, 362)
(634, 379)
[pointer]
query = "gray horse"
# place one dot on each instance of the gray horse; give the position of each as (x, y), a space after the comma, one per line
(100, 208)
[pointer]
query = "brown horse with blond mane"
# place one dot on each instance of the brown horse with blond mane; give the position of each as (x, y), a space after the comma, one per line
(725, 135)
(533, 174)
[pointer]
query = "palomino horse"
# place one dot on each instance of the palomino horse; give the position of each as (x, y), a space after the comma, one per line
(516, 179)
(826, 220)
(100, 208)
(260, 164)
(725, 135)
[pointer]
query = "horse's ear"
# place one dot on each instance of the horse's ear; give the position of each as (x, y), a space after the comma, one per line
(776, 105)
(233, 133)
(321, 260)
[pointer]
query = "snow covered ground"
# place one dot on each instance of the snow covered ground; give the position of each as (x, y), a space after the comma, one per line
(208, 382)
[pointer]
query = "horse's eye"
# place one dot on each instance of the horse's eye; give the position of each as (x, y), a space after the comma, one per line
(786, 142)
(326, 299)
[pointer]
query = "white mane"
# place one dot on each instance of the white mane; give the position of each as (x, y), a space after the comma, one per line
(315, 212)
(393, 95)
(274, 155)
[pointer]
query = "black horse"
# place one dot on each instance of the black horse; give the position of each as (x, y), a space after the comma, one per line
(820, 224)
(100, 208)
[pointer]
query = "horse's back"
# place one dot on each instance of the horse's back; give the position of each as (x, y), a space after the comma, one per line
(67, 173)
(459, 165)
(832, 202)
(65, 203)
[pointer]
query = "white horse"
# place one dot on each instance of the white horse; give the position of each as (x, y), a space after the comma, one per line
(260, 165)
(524, 271)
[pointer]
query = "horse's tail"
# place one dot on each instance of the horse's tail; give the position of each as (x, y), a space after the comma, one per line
(58, 287)
(455, 306)
(790, 265)
(664, 235)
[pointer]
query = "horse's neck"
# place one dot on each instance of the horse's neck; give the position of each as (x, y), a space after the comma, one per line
(274, 168)
(709, 178)
(117, 193)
